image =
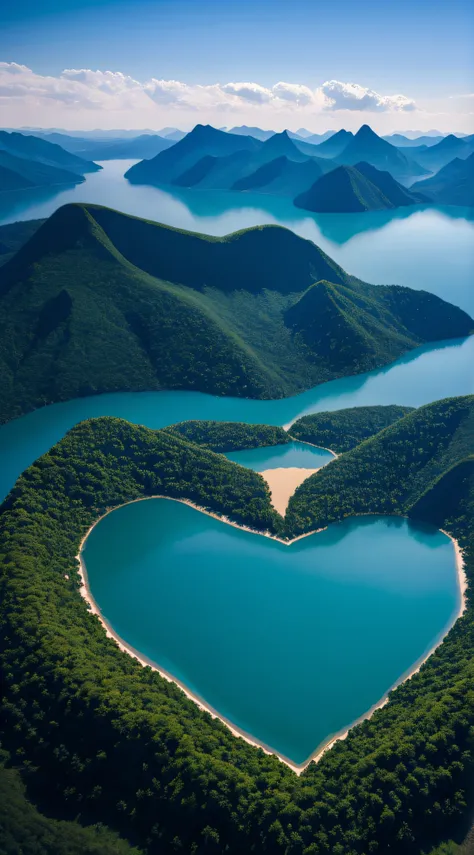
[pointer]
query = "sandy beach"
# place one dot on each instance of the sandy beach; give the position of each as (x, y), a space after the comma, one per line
(283, 482)
(200, 702)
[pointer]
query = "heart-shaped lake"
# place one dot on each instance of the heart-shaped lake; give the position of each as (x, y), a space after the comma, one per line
(291, 644)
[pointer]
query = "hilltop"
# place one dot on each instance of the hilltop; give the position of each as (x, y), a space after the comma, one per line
(99, 301)
(362, 187)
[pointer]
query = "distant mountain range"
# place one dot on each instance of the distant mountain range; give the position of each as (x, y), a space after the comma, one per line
(437, 156)
(257, 133)
(246, 159)
(211, 159)
(351, 189)
(405, 142)
(203, 141)
(98, 301)
(283, 164)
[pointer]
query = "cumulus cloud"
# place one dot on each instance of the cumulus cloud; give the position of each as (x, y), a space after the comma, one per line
(351, 96)
(294, 92)
(248, 91)
(27, 93)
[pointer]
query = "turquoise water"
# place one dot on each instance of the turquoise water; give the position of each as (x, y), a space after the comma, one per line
(291, 644)
(273, 457)
(427, 374)
(280, 640)
(424, 248)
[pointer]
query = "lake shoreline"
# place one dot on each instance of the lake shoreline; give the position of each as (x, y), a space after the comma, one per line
(86, 593)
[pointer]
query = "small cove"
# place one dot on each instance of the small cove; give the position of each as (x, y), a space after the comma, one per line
(290, 644)
(294, 454)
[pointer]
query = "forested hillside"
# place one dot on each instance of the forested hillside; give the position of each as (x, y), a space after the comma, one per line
(390, 472)
(97, 301)
(341, 430)
(229, 436)
(101, 738)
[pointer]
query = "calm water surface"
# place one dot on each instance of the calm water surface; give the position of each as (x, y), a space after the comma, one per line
(424, 248)
(280, 640)
(424, 375)
(276, 456)
(291, 644)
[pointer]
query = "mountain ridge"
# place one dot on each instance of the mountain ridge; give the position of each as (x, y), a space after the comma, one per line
(99, 301)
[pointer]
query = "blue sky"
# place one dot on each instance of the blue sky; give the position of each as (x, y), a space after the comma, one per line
(421, 49)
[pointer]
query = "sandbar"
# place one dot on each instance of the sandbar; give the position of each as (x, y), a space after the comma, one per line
(283, 482)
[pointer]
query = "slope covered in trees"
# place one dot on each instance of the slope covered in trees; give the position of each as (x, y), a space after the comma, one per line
(107, 740)
(390, 472)
(98, 301)
(24, 830)
(229, 436)
(14, 235)
(342, 430)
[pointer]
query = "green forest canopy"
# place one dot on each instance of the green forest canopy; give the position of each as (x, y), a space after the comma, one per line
(106, 740)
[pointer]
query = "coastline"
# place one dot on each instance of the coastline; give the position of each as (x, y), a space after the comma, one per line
(200, 702)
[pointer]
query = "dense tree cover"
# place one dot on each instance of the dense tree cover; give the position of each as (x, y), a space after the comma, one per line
(26, 831)
(14, 235)
(229, 436)
(342, 430)
(391, 471)
(106, 740)
(133, 305)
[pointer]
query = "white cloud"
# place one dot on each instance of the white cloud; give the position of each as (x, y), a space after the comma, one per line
(84, 98)
(294, 92)
(248, 91)
(351, 96)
